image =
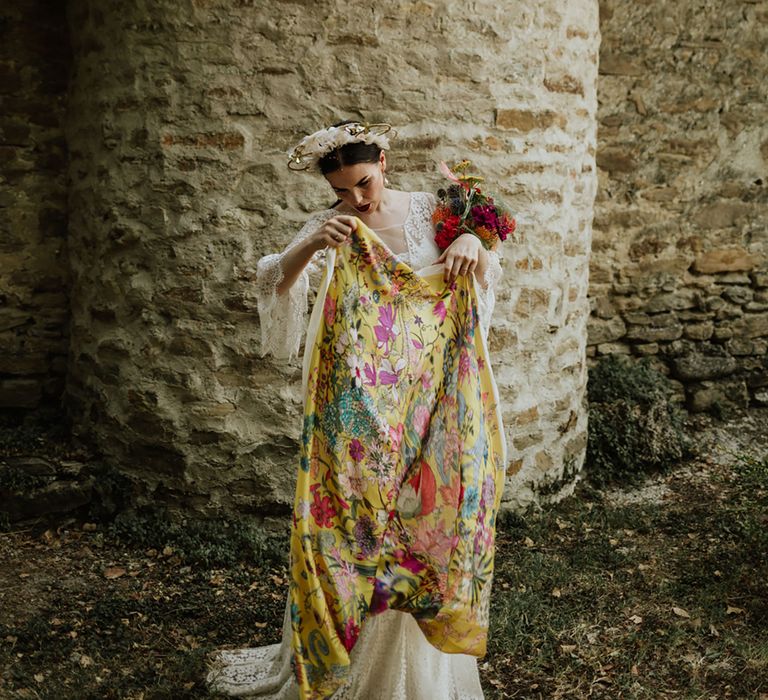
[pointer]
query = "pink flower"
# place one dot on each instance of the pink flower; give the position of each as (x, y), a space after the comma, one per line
(385, 331)
(465, 365)
(389, 374)
(445, 170)
(412, 564)
(396, 436)
(421, 420)
(370, 374)
(440, 310)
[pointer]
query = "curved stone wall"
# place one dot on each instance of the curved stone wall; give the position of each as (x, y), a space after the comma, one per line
(178, 124)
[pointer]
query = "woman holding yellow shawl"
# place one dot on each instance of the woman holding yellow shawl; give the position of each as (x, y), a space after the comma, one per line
(403, 453)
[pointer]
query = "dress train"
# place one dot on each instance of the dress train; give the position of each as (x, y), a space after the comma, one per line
(391, 660)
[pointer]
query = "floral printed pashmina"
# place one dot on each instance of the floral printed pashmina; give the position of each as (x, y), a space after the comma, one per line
(402, 462)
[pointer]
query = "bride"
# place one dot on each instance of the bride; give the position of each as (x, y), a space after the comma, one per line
(343, 638)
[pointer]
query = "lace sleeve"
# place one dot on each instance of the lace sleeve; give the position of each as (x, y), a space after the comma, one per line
(283, 317)
(487, 298)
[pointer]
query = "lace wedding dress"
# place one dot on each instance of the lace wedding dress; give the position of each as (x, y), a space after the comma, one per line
(392, 659)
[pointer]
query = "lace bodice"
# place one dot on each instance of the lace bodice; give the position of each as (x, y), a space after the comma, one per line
(284, 316)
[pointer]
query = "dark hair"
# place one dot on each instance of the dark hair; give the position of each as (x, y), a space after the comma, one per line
(348, 154)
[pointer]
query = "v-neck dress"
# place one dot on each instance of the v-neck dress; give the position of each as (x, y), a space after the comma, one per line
(392, 659)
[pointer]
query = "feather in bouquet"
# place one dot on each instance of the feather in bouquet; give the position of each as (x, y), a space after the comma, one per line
(463, 207)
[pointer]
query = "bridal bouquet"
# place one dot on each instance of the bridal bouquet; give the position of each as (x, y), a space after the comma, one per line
(463, 207)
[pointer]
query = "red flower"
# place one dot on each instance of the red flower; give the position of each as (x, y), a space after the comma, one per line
(447, 231)
(351, 633)
(322, 510)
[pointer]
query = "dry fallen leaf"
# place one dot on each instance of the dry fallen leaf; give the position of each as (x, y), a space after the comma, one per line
(568, 648)
(528, 542)
(556, 592)
(114, 572)
(680, 612)
(636, 619)
(730, 610)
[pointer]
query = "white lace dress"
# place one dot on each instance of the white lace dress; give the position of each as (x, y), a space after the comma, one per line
(392, 659)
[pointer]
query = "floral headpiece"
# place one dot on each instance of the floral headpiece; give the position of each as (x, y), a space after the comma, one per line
(313, 147)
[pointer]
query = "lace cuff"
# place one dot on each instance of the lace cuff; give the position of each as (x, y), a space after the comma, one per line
(486, 300)
(283, 316)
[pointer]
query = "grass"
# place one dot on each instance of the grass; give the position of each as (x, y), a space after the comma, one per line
(651, 600)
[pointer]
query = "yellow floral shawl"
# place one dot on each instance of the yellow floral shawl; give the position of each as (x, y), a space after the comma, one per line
(402, 462)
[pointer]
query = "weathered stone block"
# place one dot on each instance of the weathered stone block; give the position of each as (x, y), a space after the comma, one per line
(679, 299)
(751, 325)
(728, 312)
(515, 465)
(737, 295)
(725, 260)
(696, 366)
(528, 416)
(616, 160)
(605, 330)
(724, 278)
(525, 440)
(722, 333)
(619, 64)
(722, 215)
(613, 349)
(645, 349)
(760, 279)
(745, 346)
(706, 395)
(756, 306)
(528, 120)
(648, 334)
(699, 331)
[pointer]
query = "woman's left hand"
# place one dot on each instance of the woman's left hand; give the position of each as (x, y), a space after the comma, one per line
(460, 257)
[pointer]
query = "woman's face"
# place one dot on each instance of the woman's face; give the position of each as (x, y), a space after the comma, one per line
(359, 186)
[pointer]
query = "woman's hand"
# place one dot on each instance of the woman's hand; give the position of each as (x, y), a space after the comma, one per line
(335, 232)
(461, 257)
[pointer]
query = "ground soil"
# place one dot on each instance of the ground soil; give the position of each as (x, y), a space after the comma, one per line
(598, 597)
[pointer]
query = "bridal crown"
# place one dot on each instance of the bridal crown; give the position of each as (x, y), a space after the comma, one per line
(313, 147)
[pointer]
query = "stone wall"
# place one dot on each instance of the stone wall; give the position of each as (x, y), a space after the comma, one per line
(680, 253)
(179, 118)
(34, 62)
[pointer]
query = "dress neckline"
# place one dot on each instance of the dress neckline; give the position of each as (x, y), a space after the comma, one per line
(404, 226)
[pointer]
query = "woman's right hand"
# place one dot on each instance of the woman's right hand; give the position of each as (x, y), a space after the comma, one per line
(334, 232)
